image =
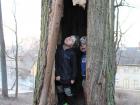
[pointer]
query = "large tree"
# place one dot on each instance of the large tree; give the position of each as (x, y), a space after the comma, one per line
(3, 58)
(101, 63)
(101, 55)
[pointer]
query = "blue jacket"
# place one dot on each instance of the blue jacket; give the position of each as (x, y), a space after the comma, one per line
(83, 65)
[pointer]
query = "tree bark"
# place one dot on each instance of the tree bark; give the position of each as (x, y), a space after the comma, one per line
(101, 65)
(3, 58)
(50, 23)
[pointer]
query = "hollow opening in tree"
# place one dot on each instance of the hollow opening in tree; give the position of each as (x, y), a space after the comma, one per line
(74, 22)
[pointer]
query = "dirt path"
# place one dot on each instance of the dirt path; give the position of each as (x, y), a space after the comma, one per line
(23, 99)
(123, 97)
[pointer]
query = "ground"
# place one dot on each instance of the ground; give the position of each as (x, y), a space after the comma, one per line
(127, 97)
(123, 97)
(23, 99)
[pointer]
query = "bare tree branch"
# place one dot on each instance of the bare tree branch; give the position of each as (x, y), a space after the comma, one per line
(7, 54)
(9, 28)
(122, 3)
(13, 85)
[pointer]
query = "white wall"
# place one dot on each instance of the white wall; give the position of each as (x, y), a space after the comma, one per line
(128, 77)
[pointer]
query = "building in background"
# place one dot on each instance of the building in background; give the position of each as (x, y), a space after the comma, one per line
(128, 69)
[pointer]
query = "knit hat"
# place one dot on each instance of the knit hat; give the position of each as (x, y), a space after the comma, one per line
(83, 40)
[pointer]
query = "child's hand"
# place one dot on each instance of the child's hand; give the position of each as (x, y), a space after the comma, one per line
(72, 81)
(58, 78)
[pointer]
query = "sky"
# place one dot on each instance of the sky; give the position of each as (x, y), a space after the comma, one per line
(129, 22)
(28, 13)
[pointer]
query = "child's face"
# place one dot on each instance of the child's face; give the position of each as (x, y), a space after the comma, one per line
(69, 41)
(83, 47)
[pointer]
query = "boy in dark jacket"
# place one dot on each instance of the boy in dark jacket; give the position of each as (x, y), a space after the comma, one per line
(65, 70)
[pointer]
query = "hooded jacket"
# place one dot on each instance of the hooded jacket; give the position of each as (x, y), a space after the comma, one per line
(65, 64)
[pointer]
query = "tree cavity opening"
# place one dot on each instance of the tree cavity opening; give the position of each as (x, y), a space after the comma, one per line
(74, 22)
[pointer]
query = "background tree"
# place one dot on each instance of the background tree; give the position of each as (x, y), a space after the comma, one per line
(101, 55)
(15, 50)
(3, 58)
(16, 54)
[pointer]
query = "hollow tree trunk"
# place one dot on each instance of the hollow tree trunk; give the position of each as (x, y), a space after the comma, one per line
(101, 65)
(100, 55)
(50, 23)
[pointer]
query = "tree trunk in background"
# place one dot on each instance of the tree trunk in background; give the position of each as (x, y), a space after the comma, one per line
(101, 56)
(3, 58)
(16, 58)
(44, 93)
(16, 54)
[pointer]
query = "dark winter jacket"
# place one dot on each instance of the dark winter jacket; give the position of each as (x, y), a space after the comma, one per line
(65, 64)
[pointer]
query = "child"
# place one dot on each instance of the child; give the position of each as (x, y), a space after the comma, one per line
(83, 44)
(65, 70)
